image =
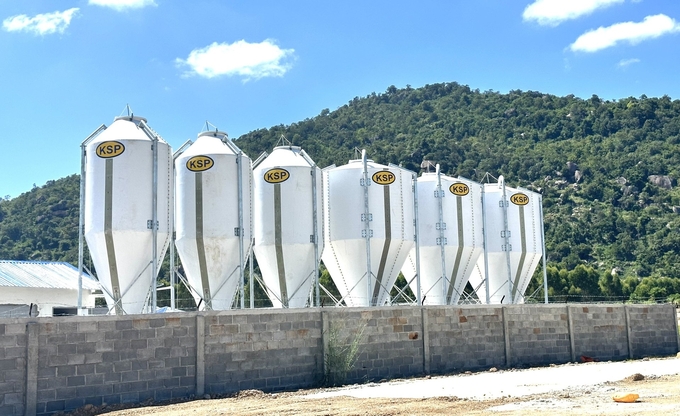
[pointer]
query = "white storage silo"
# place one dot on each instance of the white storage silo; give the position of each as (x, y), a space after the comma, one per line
(125, 177)
(513, 236)
(287, 224)
(213, 219)
(369, 226)
(450, 237)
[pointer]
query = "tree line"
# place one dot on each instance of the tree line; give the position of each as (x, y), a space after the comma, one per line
(607, 170)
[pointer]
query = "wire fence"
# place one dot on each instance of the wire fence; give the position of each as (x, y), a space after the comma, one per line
(14, 312)
(598, 299)
(18, 311)
(188, 304)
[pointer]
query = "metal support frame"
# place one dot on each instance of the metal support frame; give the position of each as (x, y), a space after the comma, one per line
(264, 287)
(416, 237)
(442, 249)
(367, 228)
(186, 284)
(545, 270)
(315, 208)
(241, 251)
(173, 277)
(81, 216)
(173, 236)
(239, 163)
(486, 247)
(330, 295)
(251, 258)
(506, 236)
(402, 293)
(260, 158)
(154, 227)
(154, 214)
(118, 302)
(315, 225)
(250, 274)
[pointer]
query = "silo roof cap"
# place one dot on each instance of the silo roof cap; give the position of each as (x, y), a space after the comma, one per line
(293, 148)
(215, 133)
(136, 119)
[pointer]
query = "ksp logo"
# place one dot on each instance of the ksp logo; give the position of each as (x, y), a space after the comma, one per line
(384, 177)
(519, 199)
(276, 175)
(459, 189)
(108, 150)
(199, 163)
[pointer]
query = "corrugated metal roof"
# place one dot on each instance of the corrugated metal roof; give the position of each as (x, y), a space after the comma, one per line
(43, 274)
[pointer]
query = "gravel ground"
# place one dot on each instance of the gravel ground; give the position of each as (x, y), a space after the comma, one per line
(570, 389)
(510, 383)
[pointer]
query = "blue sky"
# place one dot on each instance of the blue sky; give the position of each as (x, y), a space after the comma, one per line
(67, 66)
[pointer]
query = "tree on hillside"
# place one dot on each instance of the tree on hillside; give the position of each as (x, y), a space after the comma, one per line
(607, 170)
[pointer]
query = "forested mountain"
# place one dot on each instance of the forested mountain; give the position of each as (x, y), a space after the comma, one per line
(607, 171)
(42, 224)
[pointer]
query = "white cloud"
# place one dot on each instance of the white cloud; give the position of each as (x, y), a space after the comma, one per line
(632, 32)
(554, 12)
(123, 4)
(626, 62)
(248, 60)
(40, 24)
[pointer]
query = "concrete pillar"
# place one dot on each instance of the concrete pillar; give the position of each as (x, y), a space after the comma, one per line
(506, 334)
(572, 346)
(628, 339)
(426, 340)
(32, 332)
(200, 356)
(325, 326)
(674, 315)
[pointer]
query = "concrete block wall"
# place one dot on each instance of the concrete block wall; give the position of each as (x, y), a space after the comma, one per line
(600, 331)
(465, 337)
(652, 330)
(12, 366)
(391, 342)
(267, 350)
(537, 334)
(57, 364)
(127, 359)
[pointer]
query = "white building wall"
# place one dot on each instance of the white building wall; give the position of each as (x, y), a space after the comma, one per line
(45, 298)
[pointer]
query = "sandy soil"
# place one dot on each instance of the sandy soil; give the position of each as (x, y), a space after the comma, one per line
(659, 394)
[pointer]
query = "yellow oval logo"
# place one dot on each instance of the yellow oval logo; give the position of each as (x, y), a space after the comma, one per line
(519, 199)
(110, 149)
(384, 177)
(459, 189)
(200, 163)
(276, 175)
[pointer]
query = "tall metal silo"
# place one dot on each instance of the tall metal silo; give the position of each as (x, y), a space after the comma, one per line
(287, 225)
(126, 189)
(450, 236)
(369, 228)
(514, 243)
(213, 218)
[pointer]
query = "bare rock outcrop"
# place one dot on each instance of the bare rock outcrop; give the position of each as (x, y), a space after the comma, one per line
(662, 181)
(572, 166)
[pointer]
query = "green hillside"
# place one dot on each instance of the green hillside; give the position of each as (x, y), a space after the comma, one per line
(42, 224)
(607, 171)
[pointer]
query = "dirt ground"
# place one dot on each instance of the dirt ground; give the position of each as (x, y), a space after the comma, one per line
(658, 395)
